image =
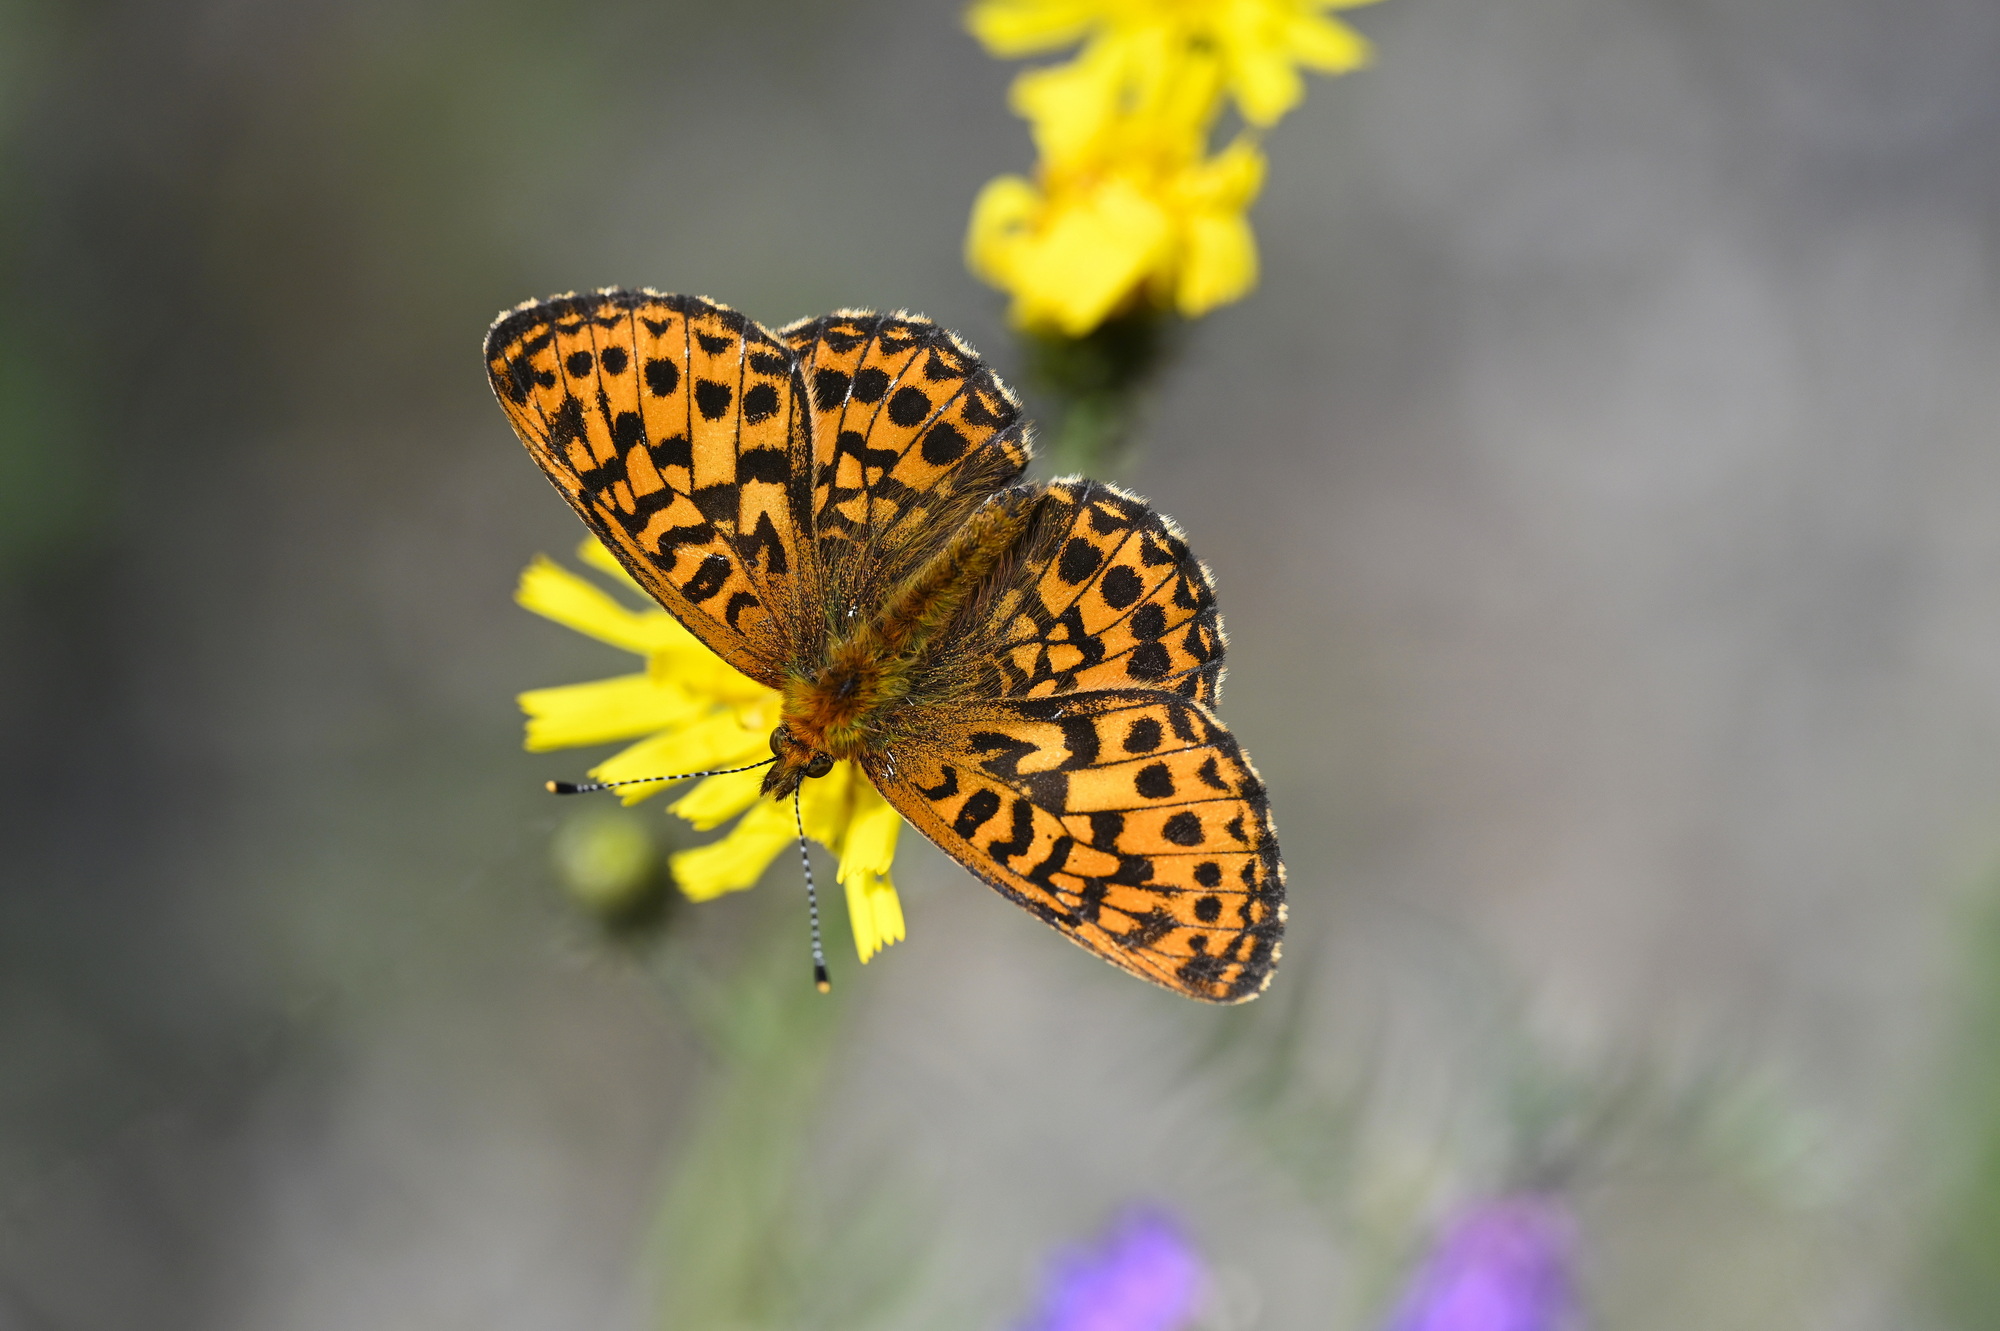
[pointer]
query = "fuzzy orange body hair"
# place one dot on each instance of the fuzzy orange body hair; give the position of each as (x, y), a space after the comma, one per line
(841, 708)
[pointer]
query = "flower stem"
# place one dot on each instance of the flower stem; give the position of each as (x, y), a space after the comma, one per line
(1096, 387)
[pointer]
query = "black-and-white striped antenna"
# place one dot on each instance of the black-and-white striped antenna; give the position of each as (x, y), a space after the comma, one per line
(585, 787)
(821, 980)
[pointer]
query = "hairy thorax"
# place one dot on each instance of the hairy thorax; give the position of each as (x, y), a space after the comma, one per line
(842, 709)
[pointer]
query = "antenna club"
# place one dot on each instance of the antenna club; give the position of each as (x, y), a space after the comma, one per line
(562, 787)
(821, 981)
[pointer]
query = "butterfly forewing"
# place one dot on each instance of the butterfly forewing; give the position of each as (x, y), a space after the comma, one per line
(1127, 818)
(911, 433)
(673, 426)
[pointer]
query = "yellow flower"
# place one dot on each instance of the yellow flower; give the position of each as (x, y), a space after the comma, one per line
(690, 711)
(1258, 45)
(1128, 209)
(1159, 228)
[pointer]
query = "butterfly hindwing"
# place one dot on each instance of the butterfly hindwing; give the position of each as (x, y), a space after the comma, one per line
(1106, 595)
(1127, 818)
(673, 426)
(911, 432)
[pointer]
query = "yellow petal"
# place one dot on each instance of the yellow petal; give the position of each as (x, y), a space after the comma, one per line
(626, 706)
(705, 675)
(1326, 44)
(1229, 181)
(873, 908)
(1068, 106)
(827, 802)
(1090, 257)
(1219, 264)
(1001, 215)
(738, 860)
(716, 741)
(719, 798)
(872, 828)
(554, 592)
(874, 912)
(1009, 28)
(593, 553)
(1264, 83)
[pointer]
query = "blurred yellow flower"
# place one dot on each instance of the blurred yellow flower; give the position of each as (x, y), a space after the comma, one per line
(1257, 45)
(1081, 247)
(691, 711)
(1128, 208)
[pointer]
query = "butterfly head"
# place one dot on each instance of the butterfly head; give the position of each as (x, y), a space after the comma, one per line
(797, 760)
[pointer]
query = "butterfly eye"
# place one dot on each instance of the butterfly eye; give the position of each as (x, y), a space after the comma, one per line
(820, 765)
(780, 738)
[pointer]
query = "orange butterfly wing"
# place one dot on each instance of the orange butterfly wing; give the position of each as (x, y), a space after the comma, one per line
(674, 427)
(1105, 595)
(911, 432)
(1129, 819)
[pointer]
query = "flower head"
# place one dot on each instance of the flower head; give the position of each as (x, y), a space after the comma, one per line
(1142, 1275)
(1502, 1265)
(1129, 208)
(690, 711)
(1256, 46)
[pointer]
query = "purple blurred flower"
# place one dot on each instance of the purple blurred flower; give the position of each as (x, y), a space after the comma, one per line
(1142, 1275)
(1502, 1265)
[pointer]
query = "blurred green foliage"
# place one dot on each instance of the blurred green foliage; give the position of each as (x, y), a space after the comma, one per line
(745, 1240)
(1960, 1270)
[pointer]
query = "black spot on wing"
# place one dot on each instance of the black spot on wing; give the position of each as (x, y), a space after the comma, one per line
(1079, 560)
(1183, 829)
(829, 389)
(1023, 833)
(760, 404)
(870, 384)
(673, 451)
(944, 443)
(712, 398)
(978, 807)
(908, 407)
(718, 503)
(567, 422)
(708, 579)
(1120, 587)
(763, 464)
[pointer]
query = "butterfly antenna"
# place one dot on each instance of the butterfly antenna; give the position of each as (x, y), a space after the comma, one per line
(585, 787)
(821, 981)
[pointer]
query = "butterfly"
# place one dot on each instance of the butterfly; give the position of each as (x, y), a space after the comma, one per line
(1024, 670)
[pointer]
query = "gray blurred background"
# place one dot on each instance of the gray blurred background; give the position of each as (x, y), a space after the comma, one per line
(1601, 490)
